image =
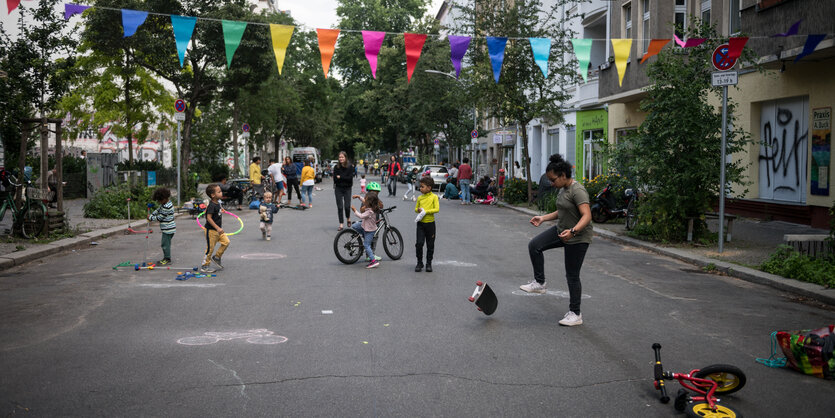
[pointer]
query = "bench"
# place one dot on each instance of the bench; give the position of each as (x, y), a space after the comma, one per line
(729, 227)
(812, 245)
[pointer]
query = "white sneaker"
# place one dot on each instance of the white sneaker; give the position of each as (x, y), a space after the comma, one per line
(571, 319)
(414, 199)
(534, 287)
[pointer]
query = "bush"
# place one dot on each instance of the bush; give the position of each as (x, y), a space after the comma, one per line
(140, 166)
(111, 202)
(209, 172)
(789, 263)
(619, 184)
(516, 191)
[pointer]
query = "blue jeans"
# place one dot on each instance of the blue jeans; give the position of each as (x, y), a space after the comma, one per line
(465, 190)
(307, 190)
(367, 239)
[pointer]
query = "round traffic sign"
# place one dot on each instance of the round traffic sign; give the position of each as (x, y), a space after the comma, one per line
(474, 133)
(180, 105)
(720, 60)
(245, 127)
(437, 141)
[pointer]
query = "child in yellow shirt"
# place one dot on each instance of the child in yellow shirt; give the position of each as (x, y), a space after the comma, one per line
(426, 207)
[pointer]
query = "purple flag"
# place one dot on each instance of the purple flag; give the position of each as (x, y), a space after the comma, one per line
(131, 19)
(373, 41)
(811, 42)
(71, 9)
(792, 30)
(457, 48)
(495, 46)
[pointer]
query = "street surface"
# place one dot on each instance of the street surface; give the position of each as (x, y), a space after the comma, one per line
(80, 339)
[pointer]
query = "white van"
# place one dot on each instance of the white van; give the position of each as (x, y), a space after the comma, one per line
(301, 154)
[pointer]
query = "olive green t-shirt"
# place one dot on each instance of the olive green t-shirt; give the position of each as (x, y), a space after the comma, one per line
(569, 215)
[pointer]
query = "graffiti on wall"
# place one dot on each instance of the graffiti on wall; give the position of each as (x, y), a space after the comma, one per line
(782, 159)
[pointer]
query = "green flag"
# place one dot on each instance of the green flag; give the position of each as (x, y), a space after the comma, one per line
(232, 33)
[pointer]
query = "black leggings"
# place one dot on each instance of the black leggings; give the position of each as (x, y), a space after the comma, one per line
(425, 232)
(343, 202)
(293, 183)
(574, 255)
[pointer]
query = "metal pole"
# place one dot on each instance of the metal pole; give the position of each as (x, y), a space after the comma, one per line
(722, 170)
(178, 165)
(472, 145)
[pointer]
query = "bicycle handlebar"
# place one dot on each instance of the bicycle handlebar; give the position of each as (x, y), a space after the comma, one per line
(659, 374)
(387, 210)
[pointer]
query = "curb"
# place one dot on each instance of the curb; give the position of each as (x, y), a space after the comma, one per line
(809, 290)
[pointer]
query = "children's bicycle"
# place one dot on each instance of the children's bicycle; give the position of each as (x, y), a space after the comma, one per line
(706, 383)
(348, 247)
(28, 218)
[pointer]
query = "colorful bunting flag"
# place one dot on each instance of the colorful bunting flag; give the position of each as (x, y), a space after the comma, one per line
(735, 46)
(71, 9)
(232, 33)
(12, 4)
(281, 38)
(327, 45)
(792, 30)
(811, 43)
(655, 46)
(692, 42)
(495, 46)
(414, 46)
(582, 50)
(621, 47)
(541, 48)
(373, 41)
(457, 48)
(131, 19)
(183, 29)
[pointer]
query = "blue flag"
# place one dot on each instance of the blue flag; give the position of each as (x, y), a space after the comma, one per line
(183, 29)
(496, 45)
(811, 42)
(541, 51)
(131, 19)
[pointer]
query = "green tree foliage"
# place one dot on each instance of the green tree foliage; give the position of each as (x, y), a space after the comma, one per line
(675, 153)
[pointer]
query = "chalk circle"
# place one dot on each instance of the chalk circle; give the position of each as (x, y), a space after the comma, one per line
(557, 293)
(253, 336)
(263, 256)
(224, 211)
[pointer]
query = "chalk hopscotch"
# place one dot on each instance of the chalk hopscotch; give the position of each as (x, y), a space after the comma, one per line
(557, 293)
(253, 336)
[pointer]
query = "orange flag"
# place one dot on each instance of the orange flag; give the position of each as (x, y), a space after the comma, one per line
(655, 47)
(327, 43)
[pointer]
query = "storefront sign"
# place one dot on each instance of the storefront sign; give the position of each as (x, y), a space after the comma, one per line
(821, 150)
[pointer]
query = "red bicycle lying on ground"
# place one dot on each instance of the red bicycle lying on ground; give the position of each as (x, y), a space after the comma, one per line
(706, 382)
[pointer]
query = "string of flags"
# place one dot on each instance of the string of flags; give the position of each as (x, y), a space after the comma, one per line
(183, 27)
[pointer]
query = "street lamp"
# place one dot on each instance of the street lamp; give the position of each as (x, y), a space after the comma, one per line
(475, 124)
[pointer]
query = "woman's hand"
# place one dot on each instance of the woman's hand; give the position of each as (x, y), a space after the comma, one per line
(566, 235)
(536, 220)
(353, 208)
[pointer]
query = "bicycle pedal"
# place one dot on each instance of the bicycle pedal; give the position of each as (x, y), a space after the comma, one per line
(681, 400)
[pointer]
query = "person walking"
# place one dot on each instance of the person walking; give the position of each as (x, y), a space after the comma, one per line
(308, 181)
(343, 180)
(394, 172)
(255, 176)
(573, 232)
(278, 179)
(214, 231)
(411, 179)
(267, 210)
(465, 176)
(290, 173)
(426, 207)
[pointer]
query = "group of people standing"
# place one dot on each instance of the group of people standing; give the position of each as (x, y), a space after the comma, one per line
(281, 177)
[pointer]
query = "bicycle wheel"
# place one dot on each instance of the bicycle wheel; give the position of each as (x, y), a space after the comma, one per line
(34, 220)
(393, 243)
(347, 245)
(631, 216)
(702, 409)
(729, 378)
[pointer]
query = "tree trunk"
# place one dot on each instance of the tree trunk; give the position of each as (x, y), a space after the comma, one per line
(126, 75)
(526, 158)
(185, 145)
(235, 115)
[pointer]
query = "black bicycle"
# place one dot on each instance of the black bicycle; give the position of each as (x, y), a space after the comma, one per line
(348, 246)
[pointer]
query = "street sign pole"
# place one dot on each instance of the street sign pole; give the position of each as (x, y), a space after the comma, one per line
(722, 170)
(179, 183)
(179, 108)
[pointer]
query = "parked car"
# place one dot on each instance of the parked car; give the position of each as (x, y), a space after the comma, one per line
(407, 168)
(437, 172)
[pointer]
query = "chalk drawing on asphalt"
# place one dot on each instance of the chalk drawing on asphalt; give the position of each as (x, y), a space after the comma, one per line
(253, 336)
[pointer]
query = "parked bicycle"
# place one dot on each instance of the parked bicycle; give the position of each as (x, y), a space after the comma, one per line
(348, 246)
(29, 217)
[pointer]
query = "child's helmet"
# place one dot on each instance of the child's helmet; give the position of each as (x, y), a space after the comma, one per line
(373, 187)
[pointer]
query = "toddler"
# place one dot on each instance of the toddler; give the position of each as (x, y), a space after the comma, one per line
(267, 210)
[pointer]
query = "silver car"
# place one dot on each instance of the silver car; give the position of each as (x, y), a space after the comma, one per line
(438, 173)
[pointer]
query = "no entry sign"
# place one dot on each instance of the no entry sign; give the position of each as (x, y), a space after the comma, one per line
(180, 106)
(245, 127)
(720, 60)
(474, 133)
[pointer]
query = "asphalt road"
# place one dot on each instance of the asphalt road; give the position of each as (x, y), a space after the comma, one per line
(80, 339)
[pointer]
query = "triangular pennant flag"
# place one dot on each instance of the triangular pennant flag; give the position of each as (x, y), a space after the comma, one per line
(327, 44)
(131, 19)
(621, 47)
(678, 41)
(12, 4)
(655, 46)
(71, 9)
(582, 50)
(414, 46)
(811, 42)
(233, 31)
(792, 30)
(183, 29)
(495, 46)
(457, 48)
(692, 42)
(735, 46)
(281, 38)
(541, 48)
(373, 41)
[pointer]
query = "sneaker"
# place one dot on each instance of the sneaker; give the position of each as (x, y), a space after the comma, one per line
(268, 237)
(419, 266)
(216, 259)
(206, 269)
(163, 262)
(429, 267)
(414, 199)
(373, 264)
(263, 235)
(376, 257)
(533, 287)
(571, 319)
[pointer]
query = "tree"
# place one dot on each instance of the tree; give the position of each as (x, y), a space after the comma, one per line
(679, 143)
(522, 93)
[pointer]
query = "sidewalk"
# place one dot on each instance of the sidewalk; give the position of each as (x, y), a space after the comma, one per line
(752, 243)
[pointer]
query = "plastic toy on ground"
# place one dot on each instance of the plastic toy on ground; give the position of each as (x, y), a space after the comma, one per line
(123, 264)
(188, 275)
(484, 298)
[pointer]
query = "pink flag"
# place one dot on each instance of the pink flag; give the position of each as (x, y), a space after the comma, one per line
(373, 41)
(690, 42)
(414, 46)
(735, 46)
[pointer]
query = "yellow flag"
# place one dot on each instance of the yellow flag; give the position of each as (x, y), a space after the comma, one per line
(281, 38)
(621, 48)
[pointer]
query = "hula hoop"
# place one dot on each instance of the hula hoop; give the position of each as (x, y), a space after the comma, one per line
(224, 211)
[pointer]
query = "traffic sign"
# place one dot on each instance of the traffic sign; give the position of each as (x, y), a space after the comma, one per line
(180, 116)
(474, 133)
(437, 141)
(724, 78)
(180, 106)
(720, 60)
(245, 127)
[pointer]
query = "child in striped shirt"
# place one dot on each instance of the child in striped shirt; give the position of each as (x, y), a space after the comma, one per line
(165, 215)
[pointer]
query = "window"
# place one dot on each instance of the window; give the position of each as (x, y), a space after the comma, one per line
(592, 153)
(681, 17)
(645, 25)
(627, 18)
(736, 17)
(706, 11)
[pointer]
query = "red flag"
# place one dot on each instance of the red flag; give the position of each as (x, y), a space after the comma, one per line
(735, 46)
(12, 4)
(654, 48)
(414, 46)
